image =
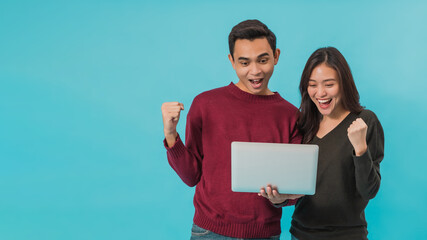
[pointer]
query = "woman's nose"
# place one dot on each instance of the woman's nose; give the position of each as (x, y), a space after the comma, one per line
(321, 91)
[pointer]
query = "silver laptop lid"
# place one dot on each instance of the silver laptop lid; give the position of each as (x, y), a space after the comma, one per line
(290, 167)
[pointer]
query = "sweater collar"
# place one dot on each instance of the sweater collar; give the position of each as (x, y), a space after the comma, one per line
(236, 91)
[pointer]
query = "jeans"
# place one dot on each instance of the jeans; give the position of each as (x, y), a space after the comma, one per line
(201, 233)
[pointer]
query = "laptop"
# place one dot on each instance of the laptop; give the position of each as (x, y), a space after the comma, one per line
(290, 167)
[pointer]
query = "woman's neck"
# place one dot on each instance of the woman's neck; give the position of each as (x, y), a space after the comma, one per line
(329, 123)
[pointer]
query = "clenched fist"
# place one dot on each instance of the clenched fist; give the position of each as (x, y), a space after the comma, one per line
(170, 114)
(357, 135)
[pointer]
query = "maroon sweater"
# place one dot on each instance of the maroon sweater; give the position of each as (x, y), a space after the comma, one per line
(215, 119)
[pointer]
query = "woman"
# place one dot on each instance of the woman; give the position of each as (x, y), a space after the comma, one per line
(351, 147)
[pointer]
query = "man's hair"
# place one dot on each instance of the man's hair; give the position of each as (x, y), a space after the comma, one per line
(250, 30)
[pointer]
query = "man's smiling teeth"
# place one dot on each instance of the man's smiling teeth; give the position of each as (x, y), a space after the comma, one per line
(255, 81)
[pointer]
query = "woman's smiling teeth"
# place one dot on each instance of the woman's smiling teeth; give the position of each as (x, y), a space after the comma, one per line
(324, 103)
(324, 100)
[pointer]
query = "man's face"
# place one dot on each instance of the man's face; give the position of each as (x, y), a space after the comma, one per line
(254, 62)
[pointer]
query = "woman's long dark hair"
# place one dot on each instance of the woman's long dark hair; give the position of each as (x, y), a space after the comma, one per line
(310, 116)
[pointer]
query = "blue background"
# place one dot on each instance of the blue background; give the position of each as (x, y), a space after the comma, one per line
(82, 82)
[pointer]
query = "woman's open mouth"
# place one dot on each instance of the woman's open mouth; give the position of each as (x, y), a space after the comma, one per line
(324, 103)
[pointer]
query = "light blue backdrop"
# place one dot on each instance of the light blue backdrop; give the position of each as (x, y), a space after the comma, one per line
(82, 82)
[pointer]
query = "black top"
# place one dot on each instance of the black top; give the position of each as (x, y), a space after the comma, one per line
(345, 183)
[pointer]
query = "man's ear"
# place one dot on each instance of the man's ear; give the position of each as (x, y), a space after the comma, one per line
(230, 57)
(276, 56)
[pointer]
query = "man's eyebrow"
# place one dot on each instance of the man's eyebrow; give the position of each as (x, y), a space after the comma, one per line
(243, 58)
(263, 54)
(259, 56)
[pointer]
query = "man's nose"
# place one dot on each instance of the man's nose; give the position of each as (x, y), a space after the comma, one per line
(255, 69)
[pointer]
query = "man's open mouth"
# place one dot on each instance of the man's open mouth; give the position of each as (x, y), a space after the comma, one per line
(256, 83)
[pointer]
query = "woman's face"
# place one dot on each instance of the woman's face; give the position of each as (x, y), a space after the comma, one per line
(323, 89)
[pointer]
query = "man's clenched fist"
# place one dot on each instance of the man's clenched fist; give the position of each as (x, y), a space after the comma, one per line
(170, 114)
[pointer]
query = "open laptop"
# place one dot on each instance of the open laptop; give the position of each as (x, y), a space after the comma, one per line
(290, 167)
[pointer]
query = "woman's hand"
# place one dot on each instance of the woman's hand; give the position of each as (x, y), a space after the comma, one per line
(357, 135)
(272, 194)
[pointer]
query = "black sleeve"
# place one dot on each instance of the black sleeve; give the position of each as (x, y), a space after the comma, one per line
(367, 166)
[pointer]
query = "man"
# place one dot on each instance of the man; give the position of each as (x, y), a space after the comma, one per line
(246, 111)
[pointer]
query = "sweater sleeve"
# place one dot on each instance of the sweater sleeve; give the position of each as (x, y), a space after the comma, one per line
(367, 166)
(186, 159)
(289, 202)
(295, 136)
